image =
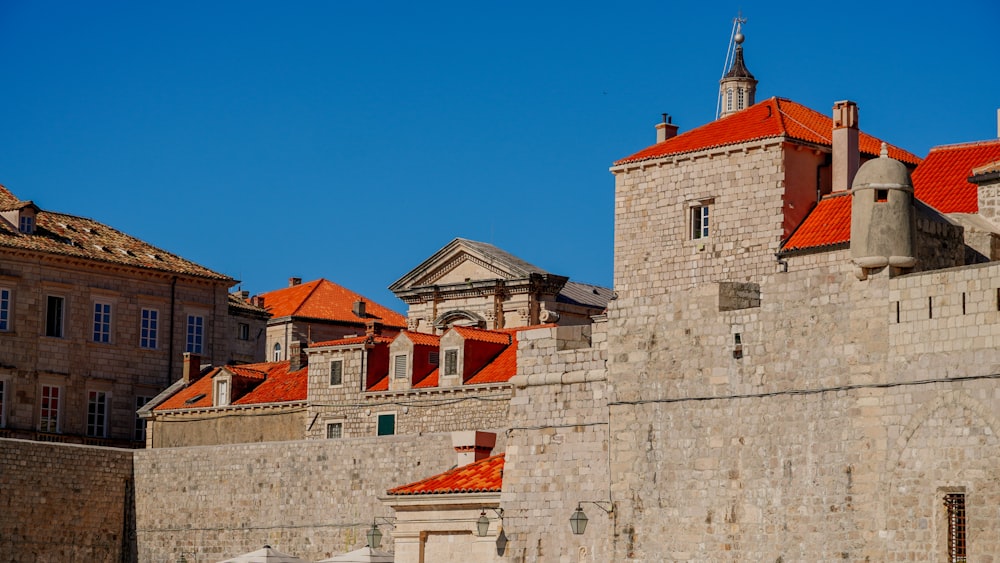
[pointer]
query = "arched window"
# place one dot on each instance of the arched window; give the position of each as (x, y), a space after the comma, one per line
(277, 352)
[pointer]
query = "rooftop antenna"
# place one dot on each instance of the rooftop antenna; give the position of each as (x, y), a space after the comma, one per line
(735, 38)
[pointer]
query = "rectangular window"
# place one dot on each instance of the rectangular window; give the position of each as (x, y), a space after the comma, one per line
(221, 393)
(149, 321)
(48, 409)
(102, 322)
(139, 431)
(27, 225)
(54, 316)
(433, 358)
(955, 504)
(243, 331)
(334, 430)
(451, 362)
(386, 424)
(4, 309)
(399, 366)
(699, 222)
(336, 372)
(97, 414)
(195, 334)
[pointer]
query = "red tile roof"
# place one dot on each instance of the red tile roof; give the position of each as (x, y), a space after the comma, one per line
(381, 384)
(502, 368)
(429, 381)
(323, 299)
(483, 476)
(421, 338)
(829, 223)
(772, 118)
(68, 235)
(941, 180)
(482, 335)
(271, 382)
(351, 341)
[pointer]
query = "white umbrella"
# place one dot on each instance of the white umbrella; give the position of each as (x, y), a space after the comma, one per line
(265, 555)
(363, 555)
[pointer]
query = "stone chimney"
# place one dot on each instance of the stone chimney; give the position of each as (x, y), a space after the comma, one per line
(292, 282)
(191, 368)
(846, 155)
(373, 328)
(257, 301)
(244, 294)
(472, 445)
(359, 309)
(665, 130)
(297, 356)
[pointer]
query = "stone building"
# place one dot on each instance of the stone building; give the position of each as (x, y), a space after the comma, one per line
(317, 311)
(93, 323)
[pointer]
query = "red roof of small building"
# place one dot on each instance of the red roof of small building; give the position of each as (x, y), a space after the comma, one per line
(271, 382)
(323, 299)
(829, 223)
(942, 179)
(483, 476)
(421, 338)
(429, 381)
(380, 385)
(483, 335)
(502, 368)
(771, 118)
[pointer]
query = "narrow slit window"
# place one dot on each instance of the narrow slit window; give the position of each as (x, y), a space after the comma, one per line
(955, 505)
(881, 196)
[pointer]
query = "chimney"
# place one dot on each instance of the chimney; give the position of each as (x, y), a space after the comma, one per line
(359, 309)
(292, 282)
(665, 130)
(244, 294)
(192, 367)
(297, 357)
(257, 301)
(373, 328)
(846, 156)
(471, 446)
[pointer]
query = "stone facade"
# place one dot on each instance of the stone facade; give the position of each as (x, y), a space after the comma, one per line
(64, 502)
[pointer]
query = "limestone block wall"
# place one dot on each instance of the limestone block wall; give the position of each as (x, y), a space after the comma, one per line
(313, 498)
(229, 426)
(61, 502)
(557, 447)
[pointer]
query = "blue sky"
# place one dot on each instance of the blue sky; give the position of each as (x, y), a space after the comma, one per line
(351, 141)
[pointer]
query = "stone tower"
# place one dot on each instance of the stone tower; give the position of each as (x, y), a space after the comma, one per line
(738, 87)
(882, 216)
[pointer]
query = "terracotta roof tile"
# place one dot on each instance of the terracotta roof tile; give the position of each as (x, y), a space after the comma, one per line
(422, 338)
(68, 235)
(941, 180)
(323, 299)
(827, 224)
(501, 368)
(271, 382)
(772, 118)
(483, 476)
(198, 394)
(482, 335)
(429, 381)
(281, 386)
(381, 384)
(353, 340)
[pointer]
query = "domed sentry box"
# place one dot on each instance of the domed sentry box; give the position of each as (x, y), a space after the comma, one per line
(883, 218)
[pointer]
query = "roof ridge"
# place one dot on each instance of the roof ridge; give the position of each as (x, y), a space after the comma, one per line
(965, 144)
(302, 303)
(782, 112)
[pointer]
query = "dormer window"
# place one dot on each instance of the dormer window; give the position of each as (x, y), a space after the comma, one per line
(222, 393)
(27, 224)
(451, 361)
(399, 366)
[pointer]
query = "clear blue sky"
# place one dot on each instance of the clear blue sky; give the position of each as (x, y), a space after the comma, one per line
(351, 140)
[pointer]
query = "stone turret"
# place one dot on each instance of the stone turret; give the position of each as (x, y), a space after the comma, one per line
(883, 218)
(738, 87)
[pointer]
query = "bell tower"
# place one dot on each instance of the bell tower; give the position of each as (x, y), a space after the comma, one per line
(737, 87)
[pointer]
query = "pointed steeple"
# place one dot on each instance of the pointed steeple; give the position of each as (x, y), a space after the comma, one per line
(738, 87)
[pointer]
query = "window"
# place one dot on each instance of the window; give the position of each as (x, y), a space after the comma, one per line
(102, 322)
(336, 372)
(48, 412)
(148, 327)
(221, 393)
(729, 99)
(54, 316)
(699, 221)
(451, 362)
(139, 430)
(881, 196)
(386, 424)
(195, 334)
(277, 352)
(243, 331)
(433, 358)
(97, 414)
(4, 309)
(955, 504)
(27, 224)
(739, 99)
(399, 366)
(334, 430)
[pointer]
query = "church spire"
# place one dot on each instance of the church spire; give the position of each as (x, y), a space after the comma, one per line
(737, 87)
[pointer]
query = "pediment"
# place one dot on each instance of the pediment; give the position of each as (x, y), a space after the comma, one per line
(464, 261)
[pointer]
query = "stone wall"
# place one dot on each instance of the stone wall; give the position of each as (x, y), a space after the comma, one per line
(61, 502)
(313, 498)
(235, 424)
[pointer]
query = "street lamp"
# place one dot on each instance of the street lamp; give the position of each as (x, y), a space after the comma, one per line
(483, 524)
(374, 535)
(578, 521)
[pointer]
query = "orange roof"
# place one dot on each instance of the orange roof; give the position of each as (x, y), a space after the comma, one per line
(429, 381)
(323, 299)
(381, 384)
(274, 384)
(502, 368)
(941, 180)
(421, 338)
(482, 335)
(351, 340)
(772, 118)
(483, 476)
(827, 224)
